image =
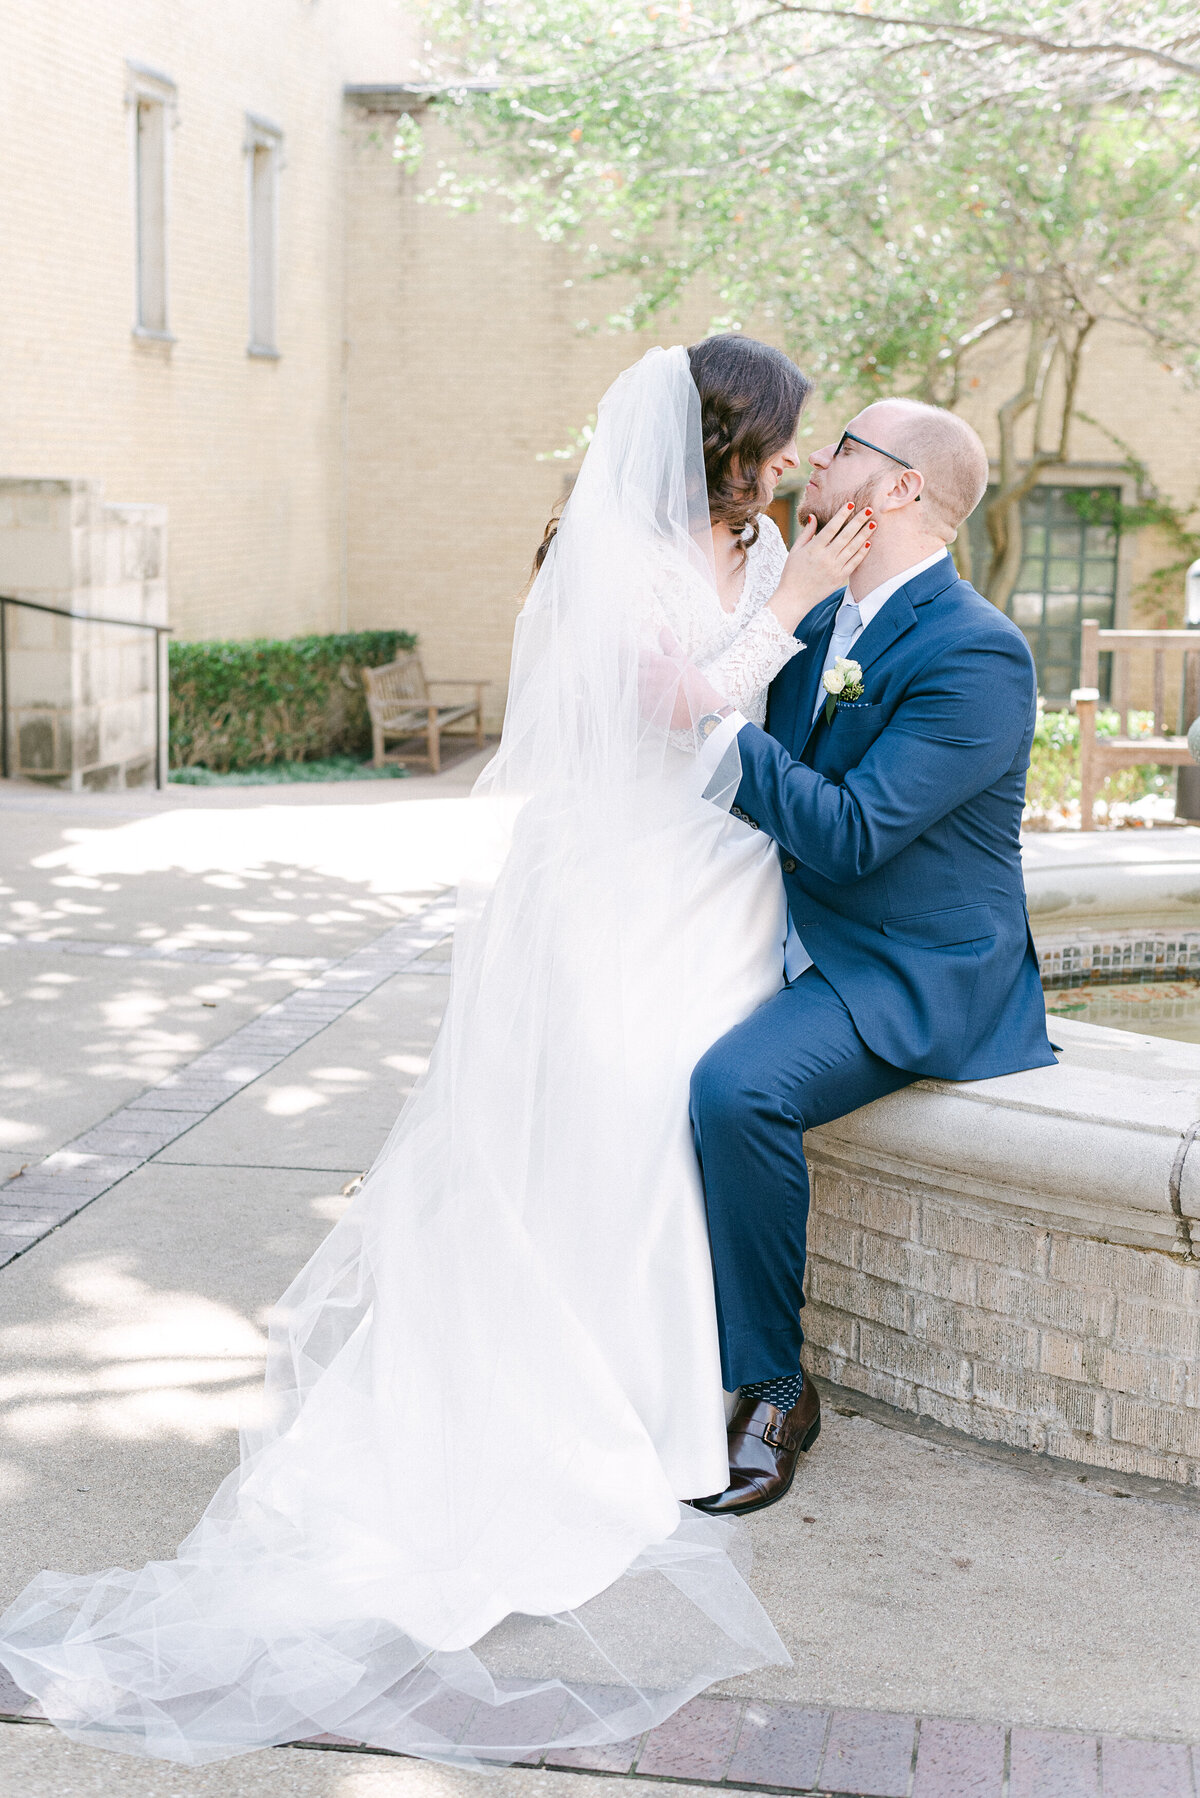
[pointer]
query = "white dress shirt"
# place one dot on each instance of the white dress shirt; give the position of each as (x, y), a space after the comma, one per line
(873, 603)
(795, 956)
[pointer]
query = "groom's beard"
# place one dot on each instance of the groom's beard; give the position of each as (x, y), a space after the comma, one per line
(823, 509)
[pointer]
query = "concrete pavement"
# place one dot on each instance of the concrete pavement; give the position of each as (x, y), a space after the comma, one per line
(35, 1763)
(906, 1576)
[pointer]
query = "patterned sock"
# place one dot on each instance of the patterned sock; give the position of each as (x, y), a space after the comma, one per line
(783, 1392)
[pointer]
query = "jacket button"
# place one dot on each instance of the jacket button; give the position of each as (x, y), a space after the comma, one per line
(789, 866)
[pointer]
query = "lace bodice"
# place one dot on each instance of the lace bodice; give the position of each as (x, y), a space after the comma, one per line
(741, 651)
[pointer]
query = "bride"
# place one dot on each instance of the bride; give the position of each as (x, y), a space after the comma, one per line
(459, 1524)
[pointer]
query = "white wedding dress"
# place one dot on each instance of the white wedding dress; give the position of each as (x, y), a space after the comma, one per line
(457, 1530)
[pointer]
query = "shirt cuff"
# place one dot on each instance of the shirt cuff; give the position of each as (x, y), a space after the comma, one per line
(717, 781)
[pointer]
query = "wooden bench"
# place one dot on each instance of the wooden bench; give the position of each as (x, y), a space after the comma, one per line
(400, 703)
(1100, 756)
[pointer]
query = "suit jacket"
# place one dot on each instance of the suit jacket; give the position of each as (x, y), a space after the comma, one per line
(898, 828)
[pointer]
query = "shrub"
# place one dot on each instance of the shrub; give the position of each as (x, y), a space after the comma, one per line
(1053, 779)
(278, 774)
(250, 704)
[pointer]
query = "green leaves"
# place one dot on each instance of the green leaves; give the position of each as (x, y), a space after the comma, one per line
(925, 198)
(1053, 778)
(874, 192)
(260, 701)
(408, 143)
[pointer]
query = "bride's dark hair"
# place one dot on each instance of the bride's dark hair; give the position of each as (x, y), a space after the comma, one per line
(751, 397)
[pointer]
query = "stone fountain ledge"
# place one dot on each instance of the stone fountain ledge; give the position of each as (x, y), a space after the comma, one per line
(1020, 1258)
(1113, 903)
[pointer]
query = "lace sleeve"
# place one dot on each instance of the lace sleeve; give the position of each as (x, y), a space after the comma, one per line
(746, 669)
(741, 654)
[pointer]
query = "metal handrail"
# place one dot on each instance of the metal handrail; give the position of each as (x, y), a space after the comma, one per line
(136, 624)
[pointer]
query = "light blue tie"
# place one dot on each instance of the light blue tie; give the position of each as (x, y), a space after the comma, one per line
(846, 628)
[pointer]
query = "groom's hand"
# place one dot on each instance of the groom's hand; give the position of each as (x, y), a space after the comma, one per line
(673, 693)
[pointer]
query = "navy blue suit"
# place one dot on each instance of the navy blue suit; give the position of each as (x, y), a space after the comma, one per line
(898, 829)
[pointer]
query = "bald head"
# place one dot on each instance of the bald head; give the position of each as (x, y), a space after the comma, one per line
(948, 453)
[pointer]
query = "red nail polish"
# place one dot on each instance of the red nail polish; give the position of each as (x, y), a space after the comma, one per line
(866, 511)
(849, 505)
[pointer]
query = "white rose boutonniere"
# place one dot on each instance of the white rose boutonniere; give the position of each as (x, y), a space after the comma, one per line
(842, 681)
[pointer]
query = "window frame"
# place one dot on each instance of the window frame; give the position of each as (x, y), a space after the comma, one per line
(263, 139)
(1083, 475)
(146, 87)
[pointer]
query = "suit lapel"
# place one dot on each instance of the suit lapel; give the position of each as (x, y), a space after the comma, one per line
(803, 697)
(899, 614)
(893, 620)
(792, 700)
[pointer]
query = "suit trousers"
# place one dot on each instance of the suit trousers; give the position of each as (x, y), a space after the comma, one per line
(795, 1062)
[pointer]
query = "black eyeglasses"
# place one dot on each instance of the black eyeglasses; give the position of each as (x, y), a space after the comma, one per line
(849, 437)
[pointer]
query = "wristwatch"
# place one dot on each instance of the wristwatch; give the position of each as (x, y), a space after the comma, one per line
(707, 725)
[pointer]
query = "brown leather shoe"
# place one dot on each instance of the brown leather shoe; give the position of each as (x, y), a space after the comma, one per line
(765, 1444)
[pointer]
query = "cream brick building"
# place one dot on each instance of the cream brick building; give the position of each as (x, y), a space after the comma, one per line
(466, 363)
(224, 298)
(244, 450)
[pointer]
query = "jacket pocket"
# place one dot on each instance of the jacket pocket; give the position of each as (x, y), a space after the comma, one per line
(942, 929)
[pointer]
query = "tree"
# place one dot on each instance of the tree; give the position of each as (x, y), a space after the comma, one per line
(892, 189)
(1057, 225)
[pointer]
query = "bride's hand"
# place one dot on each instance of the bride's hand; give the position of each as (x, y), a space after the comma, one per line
(819, 562)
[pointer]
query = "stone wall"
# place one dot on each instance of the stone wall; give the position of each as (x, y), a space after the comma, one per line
(1002, 1328)
(82, 707)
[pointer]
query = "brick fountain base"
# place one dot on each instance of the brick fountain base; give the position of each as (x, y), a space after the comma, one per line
(1019, 1259)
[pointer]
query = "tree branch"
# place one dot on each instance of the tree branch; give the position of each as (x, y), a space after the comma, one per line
(1004, 511)
(982, 37)
(1120, 50)
(1071, 388)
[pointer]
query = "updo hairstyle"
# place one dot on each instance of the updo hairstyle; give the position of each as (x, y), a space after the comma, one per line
(751, 397)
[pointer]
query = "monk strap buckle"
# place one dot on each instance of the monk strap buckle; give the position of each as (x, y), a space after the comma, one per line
(775, 1436)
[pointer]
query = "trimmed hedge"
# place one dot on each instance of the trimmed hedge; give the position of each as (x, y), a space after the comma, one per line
(250, 704)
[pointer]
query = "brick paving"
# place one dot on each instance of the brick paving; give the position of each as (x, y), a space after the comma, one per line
(45, 944)
(748, 1745)
(49, 1192)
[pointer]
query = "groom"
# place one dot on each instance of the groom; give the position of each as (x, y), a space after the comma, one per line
(896, 812)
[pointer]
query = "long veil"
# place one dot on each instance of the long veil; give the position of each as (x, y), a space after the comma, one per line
(450, 1532)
